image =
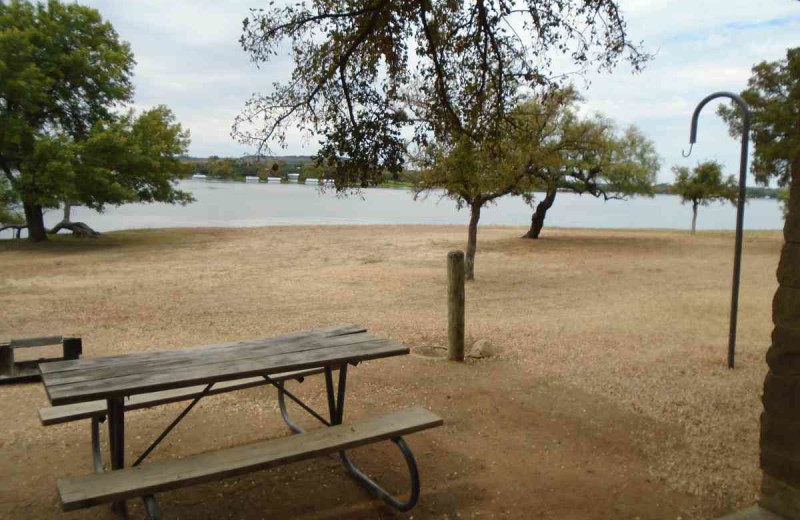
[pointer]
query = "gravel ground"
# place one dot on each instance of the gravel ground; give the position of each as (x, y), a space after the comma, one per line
(610, 396)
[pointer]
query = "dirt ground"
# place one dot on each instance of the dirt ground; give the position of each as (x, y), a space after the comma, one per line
(609, 397)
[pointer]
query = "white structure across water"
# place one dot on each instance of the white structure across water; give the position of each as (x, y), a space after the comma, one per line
(312, 180)
(274, 180)
(198, 177)
(251, 178)
(293, 177)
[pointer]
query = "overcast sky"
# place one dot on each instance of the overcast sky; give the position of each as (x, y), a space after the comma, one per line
(188, 57)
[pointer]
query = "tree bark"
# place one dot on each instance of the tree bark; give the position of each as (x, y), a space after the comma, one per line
(79, 229)
(472, 238)
(34, 217)
(537, 221)
(780, 419)
(694, 217)
(67, 211)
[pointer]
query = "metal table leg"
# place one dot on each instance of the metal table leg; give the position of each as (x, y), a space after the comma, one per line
(116, 438)
(97, 456)
(336, 410)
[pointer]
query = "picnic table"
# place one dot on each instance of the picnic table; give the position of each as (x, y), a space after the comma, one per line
(103, 388)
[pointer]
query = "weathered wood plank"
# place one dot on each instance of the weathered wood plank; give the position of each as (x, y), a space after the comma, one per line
(74, 412)
(36, 342)
(22, 373)
(192, 375)
(165, 355)
(76, 493)
(201, 356)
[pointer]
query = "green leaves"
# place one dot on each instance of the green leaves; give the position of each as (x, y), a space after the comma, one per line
(63, 75)
(704, 184)
(563, 151)
(773, 95)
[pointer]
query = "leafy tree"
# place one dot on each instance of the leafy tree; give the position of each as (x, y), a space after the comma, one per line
(223, 168)
(63, 75)
(356, 85)
(563, 152)
(471, 174)
(314, 171)
(545, 146)
(704, 185)
(367, 70)
(773, 94)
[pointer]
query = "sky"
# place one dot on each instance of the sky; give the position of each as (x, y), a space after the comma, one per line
(189, 58)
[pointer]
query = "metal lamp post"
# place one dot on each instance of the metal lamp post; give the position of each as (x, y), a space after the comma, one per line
(737, 258)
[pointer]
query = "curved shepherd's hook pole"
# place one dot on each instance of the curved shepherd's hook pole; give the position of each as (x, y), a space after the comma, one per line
(737, 258)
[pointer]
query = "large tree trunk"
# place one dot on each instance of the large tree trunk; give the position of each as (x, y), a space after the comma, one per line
(537, 221)
(472, 239)
(34, 217)
(780, 420)
(694, 217)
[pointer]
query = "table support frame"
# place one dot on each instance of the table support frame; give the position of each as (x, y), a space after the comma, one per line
(336, 410)
(336, 400)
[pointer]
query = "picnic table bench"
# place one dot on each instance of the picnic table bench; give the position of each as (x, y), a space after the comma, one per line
(105, 388)
(14, 371)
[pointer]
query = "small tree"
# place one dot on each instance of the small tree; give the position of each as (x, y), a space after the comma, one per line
(561, 151)
(473, 176)
(703, 185)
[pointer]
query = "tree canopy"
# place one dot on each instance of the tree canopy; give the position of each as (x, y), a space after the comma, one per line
(367, 71)
(703, 185)
(473, 175)
(563, 151)
(773, 95)
(546, 146)
(64, 76)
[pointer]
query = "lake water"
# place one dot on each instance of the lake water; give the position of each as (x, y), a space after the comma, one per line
(222, 204)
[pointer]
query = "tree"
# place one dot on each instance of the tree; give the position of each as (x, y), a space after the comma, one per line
(356, 85)
(562, 151)
(473, 176)
(64, 74)
(704, 185)
(773, 94)
(360, 68)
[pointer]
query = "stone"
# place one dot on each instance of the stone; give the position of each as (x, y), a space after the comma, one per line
(482, 348)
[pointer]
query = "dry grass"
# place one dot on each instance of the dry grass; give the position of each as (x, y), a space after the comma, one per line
(636, 317)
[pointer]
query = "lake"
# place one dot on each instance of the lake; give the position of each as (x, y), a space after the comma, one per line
(230, 204)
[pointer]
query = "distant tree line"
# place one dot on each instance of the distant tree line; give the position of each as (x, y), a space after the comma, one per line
(231, 169)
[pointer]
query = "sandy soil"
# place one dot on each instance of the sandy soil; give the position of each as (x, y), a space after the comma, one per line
(609, 399)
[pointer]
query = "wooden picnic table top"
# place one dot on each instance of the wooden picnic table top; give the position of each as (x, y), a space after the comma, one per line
(89, 379)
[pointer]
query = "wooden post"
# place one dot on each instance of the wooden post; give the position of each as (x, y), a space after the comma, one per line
(455, 305)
